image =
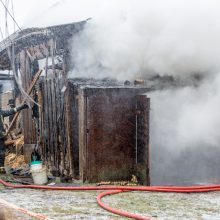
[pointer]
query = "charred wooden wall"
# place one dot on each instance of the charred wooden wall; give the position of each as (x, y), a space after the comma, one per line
(110, 133)
(54, 129)
(27, 74)
(89, 132)
(21, 52)
(94, 134)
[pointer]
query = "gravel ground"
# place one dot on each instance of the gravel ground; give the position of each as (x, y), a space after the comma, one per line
(7, 213)
(58, 205)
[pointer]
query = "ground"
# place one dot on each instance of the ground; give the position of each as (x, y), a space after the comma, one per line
(58, 205)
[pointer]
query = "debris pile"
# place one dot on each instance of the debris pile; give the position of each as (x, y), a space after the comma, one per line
(132, 182)
(15, 161)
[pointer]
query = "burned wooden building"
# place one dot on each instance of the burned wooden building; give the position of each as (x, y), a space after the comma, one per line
(93, 130)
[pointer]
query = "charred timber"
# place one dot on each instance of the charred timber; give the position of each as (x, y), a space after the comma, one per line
(35, 36)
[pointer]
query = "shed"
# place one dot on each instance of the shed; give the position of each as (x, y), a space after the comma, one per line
(95, 130)
(86, 129)
(110, 131)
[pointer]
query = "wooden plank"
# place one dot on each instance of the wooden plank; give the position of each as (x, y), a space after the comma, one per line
(56, 142)
(82, 137)
(29, 130)
(54, 113)
(63, 129)
(72, 131)
(58, 128)
(51, 134)
(40, 97)
(65, 151)
(110, 130)
(143, 163)
(47, 127)
(24, 100)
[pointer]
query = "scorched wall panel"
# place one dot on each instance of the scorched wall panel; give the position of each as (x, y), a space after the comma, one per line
(108, 134)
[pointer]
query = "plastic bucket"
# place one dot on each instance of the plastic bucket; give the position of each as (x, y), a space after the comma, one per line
(36, 165)
(39, 176)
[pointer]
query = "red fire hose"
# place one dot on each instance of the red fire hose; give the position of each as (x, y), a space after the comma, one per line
(115, 211)
(119, 189)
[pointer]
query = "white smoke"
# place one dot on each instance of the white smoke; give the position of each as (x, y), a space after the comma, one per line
(128, 39)
(185, 134)
(190, 115)
(178, 38)
(135, 38)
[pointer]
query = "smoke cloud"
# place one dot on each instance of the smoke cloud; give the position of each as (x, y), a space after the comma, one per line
(184, 134)
(177, 38)
(129, 39)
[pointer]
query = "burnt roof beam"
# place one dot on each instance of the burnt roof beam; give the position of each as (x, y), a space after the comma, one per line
(35, 36)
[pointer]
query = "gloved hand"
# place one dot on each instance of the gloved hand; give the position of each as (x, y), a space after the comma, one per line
(25, 105)
(21, 107)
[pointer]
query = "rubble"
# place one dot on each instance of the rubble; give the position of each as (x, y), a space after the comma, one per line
(83, 126)
(15, 161)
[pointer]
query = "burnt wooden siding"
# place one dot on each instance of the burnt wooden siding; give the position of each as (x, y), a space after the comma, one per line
(28, 125)
(94, 134)
(110, 133)
(142, 144)
(89, 132)
(21, 52)
(55, 148)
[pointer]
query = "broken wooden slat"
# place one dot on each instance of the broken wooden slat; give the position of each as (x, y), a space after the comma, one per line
(24, 100)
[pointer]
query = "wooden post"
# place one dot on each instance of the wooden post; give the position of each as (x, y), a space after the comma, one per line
(82, 137)
(142, 147)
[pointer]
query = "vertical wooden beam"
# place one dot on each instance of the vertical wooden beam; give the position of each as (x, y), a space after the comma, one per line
(82, 137)
(69, 129)
(143, 124)
(40, 97)
(59, 127)
(26, 116)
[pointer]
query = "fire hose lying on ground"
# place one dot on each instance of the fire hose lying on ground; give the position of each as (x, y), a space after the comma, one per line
(111, 190)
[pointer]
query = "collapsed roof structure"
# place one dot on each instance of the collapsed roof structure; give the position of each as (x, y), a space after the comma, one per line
(37, 40)
(86, 129)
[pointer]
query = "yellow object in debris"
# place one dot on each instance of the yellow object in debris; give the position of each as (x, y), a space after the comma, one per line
(19, 143)
(2, 170)
(15, 161)
(134, 179)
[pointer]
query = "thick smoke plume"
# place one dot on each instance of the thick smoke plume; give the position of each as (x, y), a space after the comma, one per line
(178, 38)
(129, 39)
(185, 134)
